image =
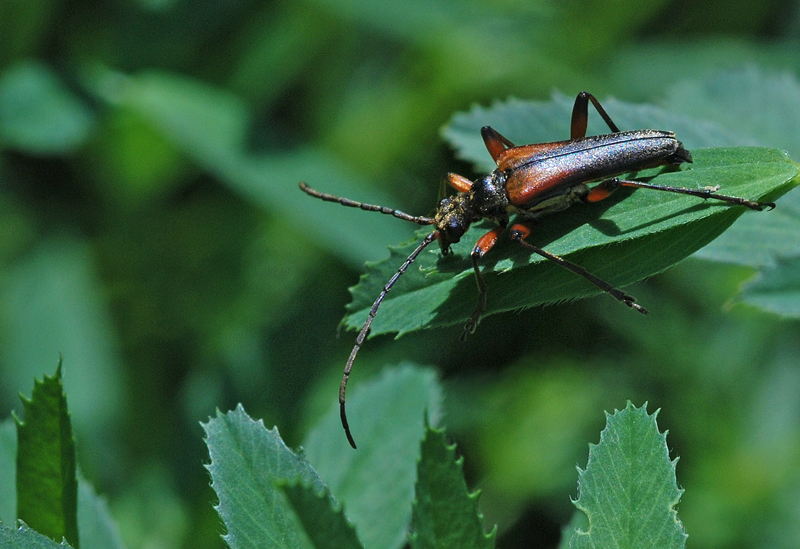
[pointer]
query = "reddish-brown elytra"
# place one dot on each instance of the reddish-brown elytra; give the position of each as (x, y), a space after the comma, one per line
(530, 181)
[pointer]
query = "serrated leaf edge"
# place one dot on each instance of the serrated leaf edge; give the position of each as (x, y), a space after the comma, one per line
(663, 435)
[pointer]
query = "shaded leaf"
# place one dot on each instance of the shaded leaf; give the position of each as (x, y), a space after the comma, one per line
(376, 482)
(649, 69)
(326, 527)
(98, 529)
(38, 114)
(47, 485)
(544, 121)
(578, 521)
(8, 471)
(776, 288)
(760, 241)
(761, 105)
(628, 489)
(247, 462)
(445, 513)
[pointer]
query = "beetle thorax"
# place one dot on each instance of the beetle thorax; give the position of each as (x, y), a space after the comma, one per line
(488, 197)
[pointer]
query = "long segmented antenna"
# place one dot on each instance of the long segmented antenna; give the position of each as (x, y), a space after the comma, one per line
(418, 219)
(362, 335)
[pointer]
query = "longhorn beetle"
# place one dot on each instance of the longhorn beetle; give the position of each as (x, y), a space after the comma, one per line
(530, 181)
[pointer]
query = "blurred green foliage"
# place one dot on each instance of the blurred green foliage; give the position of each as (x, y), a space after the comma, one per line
(152, 232)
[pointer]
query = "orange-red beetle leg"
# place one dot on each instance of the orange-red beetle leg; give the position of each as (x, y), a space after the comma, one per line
(495, 143)
(458, 182)
(483, 245)
(602, 191)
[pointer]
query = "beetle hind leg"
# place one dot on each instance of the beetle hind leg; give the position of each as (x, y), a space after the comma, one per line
(580, 115)
(519, 232)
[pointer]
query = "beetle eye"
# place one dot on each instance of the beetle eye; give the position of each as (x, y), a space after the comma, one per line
(455, 230)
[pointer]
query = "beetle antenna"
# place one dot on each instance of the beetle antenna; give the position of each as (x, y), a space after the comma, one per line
(418, 219)
(362, 335)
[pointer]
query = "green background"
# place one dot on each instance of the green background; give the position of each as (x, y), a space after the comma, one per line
(152, 233)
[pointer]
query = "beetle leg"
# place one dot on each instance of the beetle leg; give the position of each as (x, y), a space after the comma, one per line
(495, 142)
(483, 245)
(519, 232)
(602, 190)
(580, 115)
(458, 182)
(605, 188)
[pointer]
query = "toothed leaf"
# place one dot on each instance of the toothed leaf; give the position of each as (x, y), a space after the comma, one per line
(628, 490)
(47, 485)
(247, 463)
(445, 513)
(25, 538)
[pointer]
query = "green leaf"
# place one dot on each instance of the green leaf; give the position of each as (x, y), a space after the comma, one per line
(25, 538)
(539, 122)
(577, 522)
(765, 107)
(47, 486)
(760, 240)
(628, 489)
(247, 463)
(376, 482)
(38, 114)
(445, 513)
(98, 529)
(622, 240)
(326, 527)
(776, 289)
(650, 69)
(8, 471)
(761, 105)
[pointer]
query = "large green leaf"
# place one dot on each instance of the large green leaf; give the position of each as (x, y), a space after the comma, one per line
(627, 238)
(628, 489)
(445, 513)
(376, 482)
(47, 484)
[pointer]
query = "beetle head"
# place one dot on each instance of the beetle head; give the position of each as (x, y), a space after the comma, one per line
(453, 217)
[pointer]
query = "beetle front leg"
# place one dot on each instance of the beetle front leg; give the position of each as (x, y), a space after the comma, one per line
(580, 115)
(519, 232)
(483, 245)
